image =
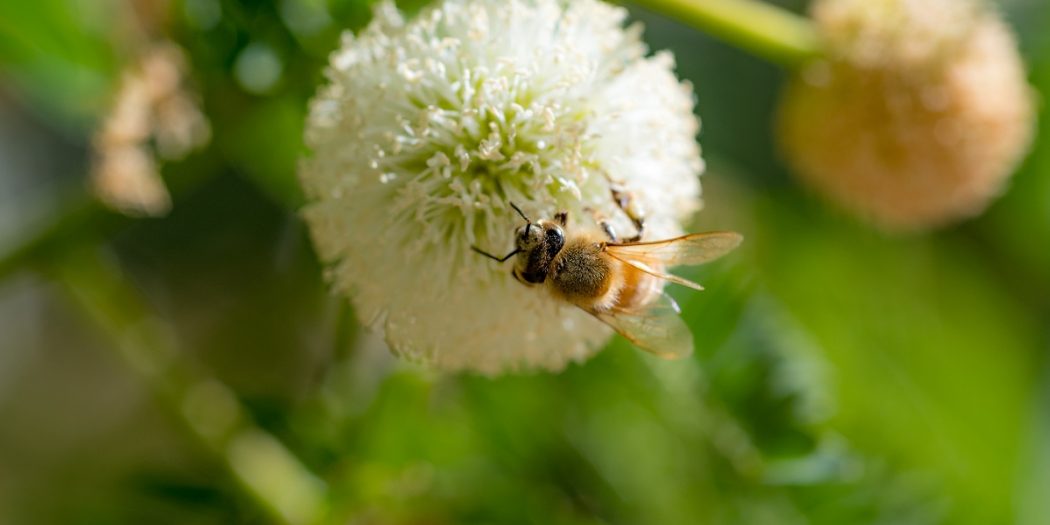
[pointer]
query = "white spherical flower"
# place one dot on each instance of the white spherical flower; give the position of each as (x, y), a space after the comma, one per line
(428, 129)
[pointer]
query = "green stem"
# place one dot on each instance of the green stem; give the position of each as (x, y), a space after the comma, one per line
(268, 473)
(74, 215)
(768, 31)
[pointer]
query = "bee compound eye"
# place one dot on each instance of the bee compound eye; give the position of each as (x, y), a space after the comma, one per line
(555, 241)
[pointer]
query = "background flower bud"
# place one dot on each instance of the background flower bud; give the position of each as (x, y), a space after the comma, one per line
(916, 117)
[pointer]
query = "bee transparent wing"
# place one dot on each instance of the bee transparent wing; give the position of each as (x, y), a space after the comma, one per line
(695, 248)
(657, 273)
(656, 328)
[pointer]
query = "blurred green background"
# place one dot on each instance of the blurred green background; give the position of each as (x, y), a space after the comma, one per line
(841, 376)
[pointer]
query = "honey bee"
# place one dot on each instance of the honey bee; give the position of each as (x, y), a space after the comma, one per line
(620, 283)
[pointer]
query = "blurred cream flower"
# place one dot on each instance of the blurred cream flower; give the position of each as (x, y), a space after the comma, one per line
(429, 128)
(918, 115)
(151, 105)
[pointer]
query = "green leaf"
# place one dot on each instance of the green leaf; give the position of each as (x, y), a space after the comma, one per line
(931, 359)
(265, 143)
(60, 57)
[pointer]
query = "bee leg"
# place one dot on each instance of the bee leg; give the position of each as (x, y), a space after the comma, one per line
(604, 224)
(639, 224)
(626, 203)
(608, 229)
(562, 218)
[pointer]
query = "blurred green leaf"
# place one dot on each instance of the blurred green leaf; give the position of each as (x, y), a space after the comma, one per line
(932, 358)
(265, 141)
(60, 55)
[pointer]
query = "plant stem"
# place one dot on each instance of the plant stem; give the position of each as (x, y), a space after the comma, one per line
(266, 472)
(763, 29)
(73, 216)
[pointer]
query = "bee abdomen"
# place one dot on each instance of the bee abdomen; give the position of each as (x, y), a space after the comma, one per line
(638, 290)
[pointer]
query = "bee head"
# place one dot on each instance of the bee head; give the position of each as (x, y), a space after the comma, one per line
(528, 237)
(545, 235)
(536, 244)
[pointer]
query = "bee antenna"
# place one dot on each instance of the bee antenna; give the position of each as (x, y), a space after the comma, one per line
(493, 257)
(517, 209)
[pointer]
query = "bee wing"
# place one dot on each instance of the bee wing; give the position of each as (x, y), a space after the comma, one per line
(695, 248)
(656, 328)
(652, 271)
